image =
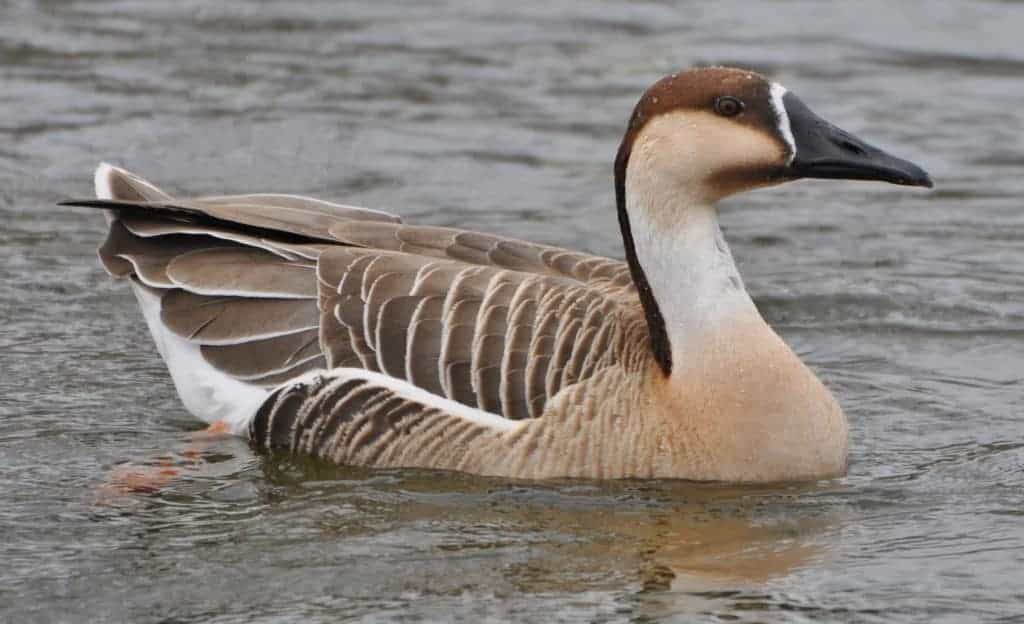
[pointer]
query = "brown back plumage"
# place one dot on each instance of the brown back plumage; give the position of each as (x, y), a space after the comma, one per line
(344, 333)
(271, 286)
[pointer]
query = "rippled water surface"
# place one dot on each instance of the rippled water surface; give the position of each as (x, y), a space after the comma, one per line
(504, 117)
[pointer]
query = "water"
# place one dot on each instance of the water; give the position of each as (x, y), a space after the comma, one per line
(504, 117)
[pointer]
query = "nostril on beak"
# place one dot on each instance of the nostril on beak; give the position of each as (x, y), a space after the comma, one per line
(852, 147)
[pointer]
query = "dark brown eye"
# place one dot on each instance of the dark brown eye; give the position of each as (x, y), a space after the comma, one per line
(728, 106)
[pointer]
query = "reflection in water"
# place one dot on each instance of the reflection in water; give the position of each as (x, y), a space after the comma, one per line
(663, 535)
(681, 536)
(676, 546)
(730, 549)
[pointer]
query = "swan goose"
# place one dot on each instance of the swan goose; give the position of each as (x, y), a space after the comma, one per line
(344, 333)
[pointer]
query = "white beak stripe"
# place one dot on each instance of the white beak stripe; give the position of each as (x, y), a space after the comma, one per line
(777, 91)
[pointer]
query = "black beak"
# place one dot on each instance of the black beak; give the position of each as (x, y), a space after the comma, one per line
(825, 151)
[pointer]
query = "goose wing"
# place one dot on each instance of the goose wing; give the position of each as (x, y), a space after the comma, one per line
(501, 340)
(267, 287)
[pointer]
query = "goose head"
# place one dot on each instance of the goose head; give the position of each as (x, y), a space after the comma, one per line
(713, 132)
(694, 138)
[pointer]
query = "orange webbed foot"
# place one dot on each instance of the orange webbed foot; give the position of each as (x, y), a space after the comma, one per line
(215, 431)
(130, 479)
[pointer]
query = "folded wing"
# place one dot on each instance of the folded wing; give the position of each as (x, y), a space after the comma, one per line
(265, 288)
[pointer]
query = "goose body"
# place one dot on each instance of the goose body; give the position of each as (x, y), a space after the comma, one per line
(344, 333)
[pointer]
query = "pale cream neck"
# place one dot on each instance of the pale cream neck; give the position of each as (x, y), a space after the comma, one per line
(684, 256)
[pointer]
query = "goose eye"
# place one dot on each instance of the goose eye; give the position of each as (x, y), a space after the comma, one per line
(728, 106)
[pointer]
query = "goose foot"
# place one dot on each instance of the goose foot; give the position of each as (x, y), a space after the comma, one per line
(130, 479)
(149, 479)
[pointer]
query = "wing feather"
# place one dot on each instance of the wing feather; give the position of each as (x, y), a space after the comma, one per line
(230, 320)
(242, 271)
(495, 339)
(269, 286)
(260, 358)
(476, 248)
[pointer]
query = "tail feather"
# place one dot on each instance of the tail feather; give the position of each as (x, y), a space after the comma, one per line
(114, 183)
(226, 284)
(290, 218)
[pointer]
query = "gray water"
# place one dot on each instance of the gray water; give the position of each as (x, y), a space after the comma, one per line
(504, 117)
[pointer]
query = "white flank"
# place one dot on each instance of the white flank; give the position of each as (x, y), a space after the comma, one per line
(778, 91)
(409, 392)
(206, 392)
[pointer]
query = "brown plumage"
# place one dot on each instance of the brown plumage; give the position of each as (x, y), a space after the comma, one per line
(343, 333)
(484, 321)
(400, 291)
